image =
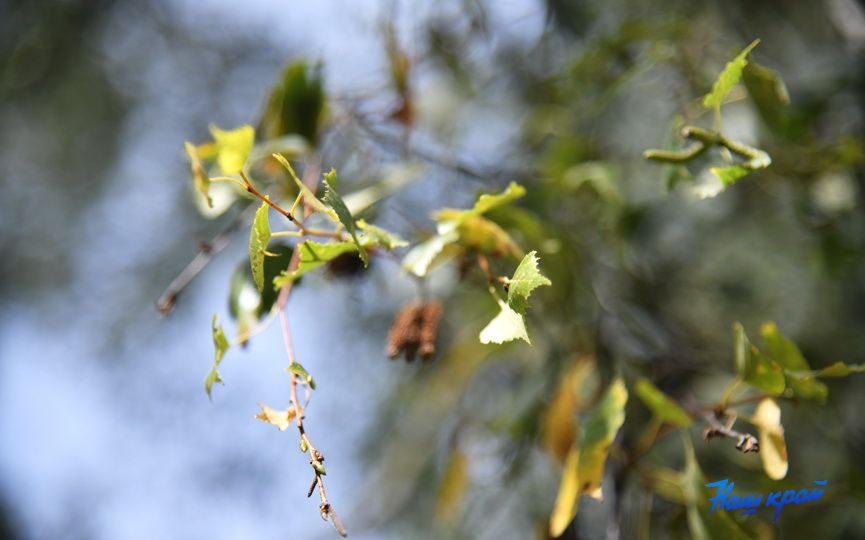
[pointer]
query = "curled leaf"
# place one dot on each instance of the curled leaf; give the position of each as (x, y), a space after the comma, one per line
(773, 449)
(299, 370)
(280, 419)
(199, 176)
(220, 343)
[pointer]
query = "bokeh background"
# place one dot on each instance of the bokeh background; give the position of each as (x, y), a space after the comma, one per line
(105, 430)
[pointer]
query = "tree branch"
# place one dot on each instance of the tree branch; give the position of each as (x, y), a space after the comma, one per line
(745, 441)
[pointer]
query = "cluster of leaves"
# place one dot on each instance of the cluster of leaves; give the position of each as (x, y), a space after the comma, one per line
(259, 288)
(768, 91)
(782, 371)
(582, 405)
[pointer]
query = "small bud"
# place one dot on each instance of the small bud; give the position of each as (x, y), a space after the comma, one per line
(319, 468)
(303, 446)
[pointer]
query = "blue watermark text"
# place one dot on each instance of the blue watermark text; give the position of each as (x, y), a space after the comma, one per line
(726, 500)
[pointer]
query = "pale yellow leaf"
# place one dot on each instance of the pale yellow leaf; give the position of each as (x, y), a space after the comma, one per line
(773, 449)
(280, 419)
(568, 497)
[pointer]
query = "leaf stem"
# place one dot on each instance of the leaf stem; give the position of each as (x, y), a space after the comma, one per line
(250, 188)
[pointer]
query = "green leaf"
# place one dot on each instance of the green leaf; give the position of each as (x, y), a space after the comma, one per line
(806, 386)
(754, 368)
(840, 369)
(259, 236)
(730, 175)
(782, 350)
(220, 344)
(769, 94)
(526, 279)
(332, 199)
(199, 176)
(297, 104)
(233, 147)
(489, 201)
(763, 373)
(660, 404)
(450, 219)
(508, 325)
(376, 236)
(312, 256)
(246, 303)
(298, 370)
(728, 78)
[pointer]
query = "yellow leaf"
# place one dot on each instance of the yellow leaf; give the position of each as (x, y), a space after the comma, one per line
(569, 490)
(558, 427)
(280, 419)
(584, 465)
(773, 449)
(452, 488)
(234, 147)
(601, 429)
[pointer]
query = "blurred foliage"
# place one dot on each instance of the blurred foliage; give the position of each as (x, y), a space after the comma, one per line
(647, 277)
(646, 268)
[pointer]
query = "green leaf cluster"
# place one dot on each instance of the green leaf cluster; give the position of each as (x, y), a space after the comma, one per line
(782, 368)
(459, 230)
(768, 92)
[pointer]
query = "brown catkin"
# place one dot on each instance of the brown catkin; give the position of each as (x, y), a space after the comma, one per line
(429, 329)
(414, 330)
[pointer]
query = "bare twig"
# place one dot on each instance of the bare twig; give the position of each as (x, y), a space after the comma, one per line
(745, 441)
(206, 252)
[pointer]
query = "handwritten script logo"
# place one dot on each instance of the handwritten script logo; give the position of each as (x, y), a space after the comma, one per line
(725, 500)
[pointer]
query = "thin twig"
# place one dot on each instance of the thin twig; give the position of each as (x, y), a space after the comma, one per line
(745, 441)
(206, 252)
(250, 188)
